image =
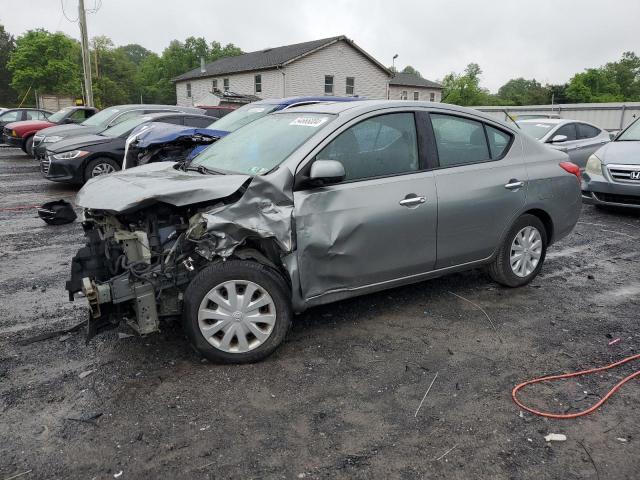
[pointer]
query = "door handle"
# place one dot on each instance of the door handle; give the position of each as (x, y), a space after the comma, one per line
(514, 184)
(412, 201)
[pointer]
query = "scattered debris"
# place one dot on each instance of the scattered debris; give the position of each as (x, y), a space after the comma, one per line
(425, 394)
(482, 310)
(614, 341)
(445, 453)
(86, 373)
(64, 338)
(122, 335)
(88, 419)
(18, 475)
(56, 333)
(555, 437)
(117, 475)
(590, 458)
(57, 213)
(591, 277)
(623, 440)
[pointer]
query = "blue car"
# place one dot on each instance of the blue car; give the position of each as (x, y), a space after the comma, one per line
(164, 142)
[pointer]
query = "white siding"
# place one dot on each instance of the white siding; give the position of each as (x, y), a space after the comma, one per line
(395, 93)
(306, 76)
(238, 83)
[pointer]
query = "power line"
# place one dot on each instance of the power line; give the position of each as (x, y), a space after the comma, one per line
(65, 14)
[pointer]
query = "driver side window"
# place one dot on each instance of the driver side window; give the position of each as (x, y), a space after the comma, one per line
(379, 146)
(569, 130)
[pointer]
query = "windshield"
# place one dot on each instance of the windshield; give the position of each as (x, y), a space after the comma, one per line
(59, 115)
(101, 118)
(536, 129)
(123, 129)
(261, 146)
(243, 115)
(631, 134)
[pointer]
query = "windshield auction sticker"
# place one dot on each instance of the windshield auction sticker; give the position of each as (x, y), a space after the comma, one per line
(309, 121)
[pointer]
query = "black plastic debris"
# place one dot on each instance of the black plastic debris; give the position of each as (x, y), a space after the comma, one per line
(58, 212)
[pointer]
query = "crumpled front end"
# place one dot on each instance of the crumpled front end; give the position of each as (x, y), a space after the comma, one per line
(136, 264)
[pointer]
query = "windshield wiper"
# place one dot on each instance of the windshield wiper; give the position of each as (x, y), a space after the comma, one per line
(204, 170)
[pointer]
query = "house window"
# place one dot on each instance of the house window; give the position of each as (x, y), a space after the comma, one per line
(432, 97)
(225, 83)
(328, 84)
(188, 90)
(351, 86)
(257, 82)
(403, 95)
(416, 95)
(214, 84)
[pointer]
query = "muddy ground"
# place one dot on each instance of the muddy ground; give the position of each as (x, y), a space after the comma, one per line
(341, 397)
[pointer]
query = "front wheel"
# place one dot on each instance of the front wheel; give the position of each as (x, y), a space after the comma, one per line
(28, 146)
(236, 311)
(522, 253)
(100, 166)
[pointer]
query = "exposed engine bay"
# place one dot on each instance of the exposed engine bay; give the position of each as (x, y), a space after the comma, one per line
(137, 262)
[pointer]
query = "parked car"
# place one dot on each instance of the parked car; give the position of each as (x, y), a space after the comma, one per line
(9, 115)
(77, 159)
(315, 204)
(182, 143)
(612, 175)
(20, 134)
(100, 122)
(577, 139)
(217, 111)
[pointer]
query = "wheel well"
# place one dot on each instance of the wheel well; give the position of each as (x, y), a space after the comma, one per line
(545, 218)
(27, 137)
(266, 252)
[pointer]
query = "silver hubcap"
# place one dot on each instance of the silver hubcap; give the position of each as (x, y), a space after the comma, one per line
(102, 169)
(237, 316)
(526, 250)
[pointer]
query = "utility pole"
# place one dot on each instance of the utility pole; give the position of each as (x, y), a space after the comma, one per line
(86, 62)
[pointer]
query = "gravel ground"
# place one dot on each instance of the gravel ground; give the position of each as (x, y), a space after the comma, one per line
(341, 397)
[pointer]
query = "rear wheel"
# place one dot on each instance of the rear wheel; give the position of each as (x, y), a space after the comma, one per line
(522, 253)
(100, 166)
(237, 311)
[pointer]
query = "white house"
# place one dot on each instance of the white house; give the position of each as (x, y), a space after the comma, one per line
(330, 66)
(408, 86)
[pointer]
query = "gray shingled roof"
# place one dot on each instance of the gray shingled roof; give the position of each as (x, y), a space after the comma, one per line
(267, 58)
(412, 80)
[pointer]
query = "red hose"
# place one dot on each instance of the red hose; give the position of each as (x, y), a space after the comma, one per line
(589, 410)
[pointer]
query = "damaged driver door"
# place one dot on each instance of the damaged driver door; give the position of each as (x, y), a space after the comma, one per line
(376, 225)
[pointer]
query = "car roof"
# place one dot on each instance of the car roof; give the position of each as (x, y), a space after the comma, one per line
(364, 106)
(552, 121)
(293, 100)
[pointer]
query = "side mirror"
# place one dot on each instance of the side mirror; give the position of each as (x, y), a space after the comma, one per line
(69, 120)
(325, 172)
(559, 139)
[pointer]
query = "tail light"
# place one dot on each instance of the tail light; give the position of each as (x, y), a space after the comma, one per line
(572, 168)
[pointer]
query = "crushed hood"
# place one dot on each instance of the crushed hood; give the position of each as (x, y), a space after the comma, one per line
(162, 133)
(152, 183)
(620, 152)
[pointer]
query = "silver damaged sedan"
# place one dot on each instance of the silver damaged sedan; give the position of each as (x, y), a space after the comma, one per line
(312, 205)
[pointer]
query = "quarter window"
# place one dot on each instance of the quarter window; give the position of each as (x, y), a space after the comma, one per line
(225, 83)
(587, 131)
(379, 146)
(416, 95)
(459, 140)
(188, 90)
(351, 86)
(257, 81)
(10, 116)
(328, 84)
(498, 141)
(569, 130)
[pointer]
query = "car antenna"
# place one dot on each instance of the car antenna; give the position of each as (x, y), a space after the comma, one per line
(508, 115)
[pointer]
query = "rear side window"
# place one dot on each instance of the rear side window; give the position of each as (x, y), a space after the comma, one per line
(379, 146)
(498, 142)
(198, 122)
(10, 116)
(587, 131)
(569, 130)
(459, 140)
(177, 120)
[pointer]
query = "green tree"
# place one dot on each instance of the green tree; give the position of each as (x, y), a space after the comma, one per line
(46, 62)
(594, 85)
(411, 70)
(520, 91)
(134, 52)
(465, 89)
(7, 46)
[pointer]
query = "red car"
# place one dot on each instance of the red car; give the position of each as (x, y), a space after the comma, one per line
(20, 134)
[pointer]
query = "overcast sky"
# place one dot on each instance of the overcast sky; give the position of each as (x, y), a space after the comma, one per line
(548, 40)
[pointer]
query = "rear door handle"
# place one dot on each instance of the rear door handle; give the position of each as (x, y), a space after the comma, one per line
(514, 184)
(412, 201)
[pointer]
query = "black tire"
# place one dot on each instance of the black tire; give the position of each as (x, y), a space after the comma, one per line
(88, 170)
(500, 270)
(220, 272)
(28, 146)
